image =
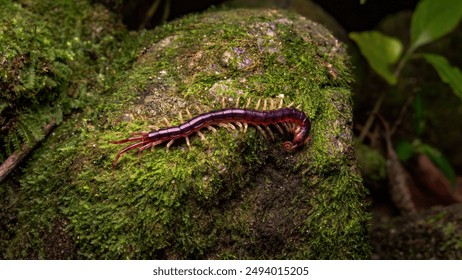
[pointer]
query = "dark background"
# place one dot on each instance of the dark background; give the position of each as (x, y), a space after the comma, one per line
(349, 13)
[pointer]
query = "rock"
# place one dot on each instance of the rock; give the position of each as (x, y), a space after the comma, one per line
(236, 196)
(430, 234)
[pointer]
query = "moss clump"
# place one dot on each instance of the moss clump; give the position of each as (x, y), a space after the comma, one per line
(54, 56)
(237, 196)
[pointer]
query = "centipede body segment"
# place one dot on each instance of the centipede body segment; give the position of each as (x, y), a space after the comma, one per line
(292, 119)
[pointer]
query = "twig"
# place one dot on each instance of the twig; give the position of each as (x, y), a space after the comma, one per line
(400, 181)
(370, 120)
(403, 112)
(17, 156)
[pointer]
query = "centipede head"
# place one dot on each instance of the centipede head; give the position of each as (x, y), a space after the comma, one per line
(141, 141)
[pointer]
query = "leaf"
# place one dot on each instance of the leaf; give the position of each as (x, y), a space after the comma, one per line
(433, 19)
(405, 150)
(439, 159)
(381, 51)
(419, 115)
(3, 105)
(448, 74)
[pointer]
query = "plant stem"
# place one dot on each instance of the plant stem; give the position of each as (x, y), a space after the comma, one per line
(371, 118)
(403, 61)
(379, 101)
(17, 156)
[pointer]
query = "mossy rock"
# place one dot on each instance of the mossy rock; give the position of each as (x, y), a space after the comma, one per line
(54, 57)
(236, 196)
(435, 233)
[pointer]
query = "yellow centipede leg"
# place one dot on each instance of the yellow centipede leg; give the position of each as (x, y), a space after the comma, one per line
(167, 122)
(211, 128)
(237, 102)
(269, 132)
(202, 136)
(187, 142)
(281, 103)
(258, 104)
(169, 144)
(261, 131)
(188, 113)
(248, 102)
(278, 128)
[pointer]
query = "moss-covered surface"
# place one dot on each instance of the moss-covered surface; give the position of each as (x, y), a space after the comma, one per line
(432, 234)
(54, 58)
(238, 195)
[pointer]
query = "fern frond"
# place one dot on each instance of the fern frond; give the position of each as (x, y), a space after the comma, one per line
(13, 142)
(25, 133)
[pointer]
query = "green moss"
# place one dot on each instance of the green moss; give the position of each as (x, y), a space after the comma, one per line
(236, 196)
(372, 164)
(55, 57)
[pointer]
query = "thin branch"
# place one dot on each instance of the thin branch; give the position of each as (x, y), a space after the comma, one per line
(402, 113)
(370, 120)
(17, 156)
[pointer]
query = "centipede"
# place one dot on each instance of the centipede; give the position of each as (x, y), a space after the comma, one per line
(290, 119)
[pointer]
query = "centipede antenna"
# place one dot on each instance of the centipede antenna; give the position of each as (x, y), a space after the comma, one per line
(258, 104)
(167, 122)
(142, 148)
(269, 132)
(123, 151)
(261, 131)
(169, 144)
(237, 102)
(138, 133)
(248, 102)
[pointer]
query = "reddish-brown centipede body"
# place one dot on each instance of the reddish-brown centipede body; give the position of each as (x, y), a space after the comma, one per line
(292, 119)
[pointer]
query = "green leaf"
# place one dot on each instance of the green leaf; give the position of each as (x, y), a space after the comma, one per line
(439, 159)
(433, 19)
(419, 115)
(3, 105)
(448, 74)
(381, 51)
(405, 150)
